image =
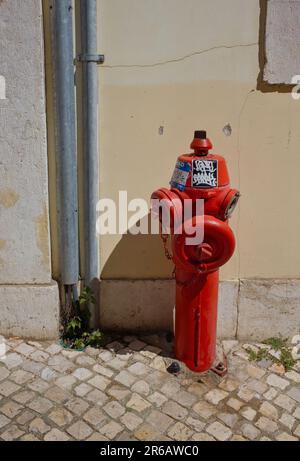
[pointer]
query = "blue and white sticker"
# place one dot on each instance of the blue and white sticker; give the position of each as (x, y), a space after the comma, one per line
(180, 175)
(205, 173)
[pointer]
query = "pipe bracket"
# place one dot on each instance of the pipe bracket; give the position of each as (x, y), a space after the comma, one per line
(96, 58)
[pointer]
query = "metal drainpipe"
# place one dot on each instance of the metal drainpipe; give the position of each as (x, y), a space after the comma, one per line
(89, 60)
(66, 158)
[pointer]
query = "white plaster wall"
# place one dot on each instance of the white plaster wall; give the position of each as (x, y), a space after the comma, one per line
(29, 304)
(24, 226)
(282, 41)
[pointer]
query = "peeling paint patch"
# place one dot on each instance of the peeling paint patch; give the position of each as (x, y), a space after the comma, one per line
(227, 130)
(8, 198)
(2, 244)
(42, 236)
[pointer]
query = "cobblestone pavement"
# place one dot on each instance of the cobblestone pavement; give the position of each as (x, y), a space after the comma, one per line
(123, 392)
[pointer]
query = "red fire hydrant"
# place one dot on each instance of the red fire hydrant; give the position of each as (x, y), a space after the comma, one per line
(199, 175)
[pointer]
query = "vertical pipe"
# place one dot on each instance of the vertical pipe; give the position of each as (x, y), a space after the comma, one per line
(66, 161)
(88, 9)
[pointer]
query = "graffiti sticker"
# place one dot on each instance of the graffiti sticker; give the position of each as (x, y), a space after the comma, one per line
(205, 173)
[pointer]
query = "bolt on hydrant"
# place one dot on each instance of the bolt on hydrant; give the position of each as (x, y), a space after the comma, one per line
(199, 178)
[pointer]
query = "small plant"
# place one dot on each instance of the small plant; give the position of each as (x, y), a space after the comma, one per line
(279, 345)
(77, 334)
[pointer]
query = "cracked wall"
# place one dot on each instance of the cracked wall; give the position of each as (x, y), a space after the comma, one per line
(174, 66)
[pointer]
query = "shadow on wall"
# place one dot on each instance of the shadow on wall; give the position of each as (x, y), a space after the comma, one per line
(263, 85)
(138, 254)
(126, 302)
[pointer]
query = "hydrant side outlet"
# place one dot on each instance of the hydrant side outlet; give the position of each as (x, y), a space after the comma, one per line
(199, 175)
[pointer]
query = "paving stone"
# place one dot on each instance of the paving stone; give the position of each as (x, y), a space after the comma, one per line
(117, 364)
(146, 432)
(268, 410)
(99, 382)
(287, 420)
(245, 394)
(97, 397)
(255, 372)
(82, 374)
(23, 397)
(249, 431)
(77, 406)
(103, 370)
(266, 425)
(159, 420)
(180, 432)
(137, 403)
(114, 409)
(170, 388)
(219, 431)
(12, 433)
(125, 378)
(29, 438)
(61, 416)
(105, 356)
(24, 349)
(186, 399)
(92, 351)
(40, 405)
(257, 386)
(57, 394)
(202, 437)
(158, 363)
(61, 364)
(80, 430)
(65, 382)
(114, 346)
(39, 356)
(82, 389)
(85, 361)
(111, 429)
(157, 399)
(248, 413)
(53, 349)
(38, 426)
(230, 419)
(124, 354)
(55, 435)
(294, 392)
(33, 367)
(195, 424)
(137, 345)
(297, 413)
(271, 393)
(277, 368)
(229, 384)
(4, 373)
(277, 381)
(11, 409)
(3, 421)
(293, 376)
(238, 438)
(229, 345)
(48, 374)
(297, 431)
(285, 402)
(141, 387)
(20, 376)
(138, 369)
(118, 392)
(25, 417)
(150, 351)
(197, 389)
(95, 416)
(131, 421)
(215, 396)
(7, 388)
(204, 409)
(174, 410)
(285, 437)
(97, 437)
(235, 403)
(39, 385)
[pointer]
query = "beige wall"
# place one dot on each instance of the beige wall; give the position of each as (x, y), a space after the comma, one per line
(185, 65)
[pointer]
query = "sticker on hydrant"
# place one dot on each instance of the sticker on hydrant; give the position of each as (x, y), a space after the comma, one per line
(180, 175)
(205, 173)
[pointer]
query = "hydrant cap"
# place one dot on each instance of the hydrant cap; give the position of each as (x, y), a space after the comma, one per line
(200, 141)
